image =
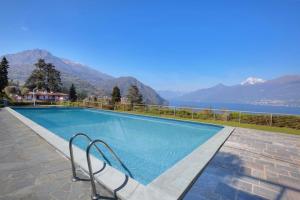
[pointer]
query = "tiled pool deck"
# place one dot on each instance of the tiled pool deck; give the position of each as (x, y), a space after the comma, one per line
(30, 168)
(250, 165)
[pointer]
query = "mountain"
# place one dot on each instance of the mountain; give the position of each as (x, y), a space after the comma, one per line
(170, 94)
(84, 77)
(252, 81)
(284, 90)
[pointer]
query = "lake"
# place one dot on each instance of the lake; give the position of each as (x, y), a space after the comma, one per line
(241, 107)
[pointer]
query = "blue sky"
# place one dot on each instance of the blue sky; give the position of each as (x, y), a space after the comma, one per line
(177, 45)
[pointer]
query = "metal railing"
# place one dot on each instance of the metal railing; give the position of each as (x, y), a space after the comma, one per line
(74, 175)
(95, 195)
(198, 113)
(247, 117)
(92, 143)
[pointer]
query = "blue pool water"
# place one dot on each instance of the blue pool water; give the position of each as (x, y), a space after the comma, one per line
(148, 146)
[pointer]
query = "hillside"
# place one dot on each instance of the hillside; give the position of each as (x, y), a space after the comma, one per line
(84, 77)
(284, 90)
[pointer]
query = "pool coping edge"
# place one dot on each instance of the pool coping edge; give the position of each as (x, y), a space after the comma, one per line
(171, 184)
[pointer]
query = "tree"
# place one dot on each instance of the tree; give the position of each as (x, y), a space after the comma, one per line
(53, 80)
(3, 73)
(45, 77)
(37, 77)
(116, 95)
(134, 95)
(9, 90)
(24, 90)
(72, 93)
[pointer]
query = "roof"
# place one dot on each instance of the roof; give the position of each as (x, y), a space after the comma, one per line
(48, 93)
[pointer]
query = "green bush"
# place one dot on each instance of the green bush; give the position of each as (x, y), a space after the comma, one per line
(20, 103)
(258, 119)
(153, 110)
(107, 107)
(184, 113)
(234, 116)
(286, 121)
(166, 111)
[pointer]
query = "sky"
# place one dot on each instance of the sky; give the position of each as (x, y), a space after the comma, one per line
(169, 45)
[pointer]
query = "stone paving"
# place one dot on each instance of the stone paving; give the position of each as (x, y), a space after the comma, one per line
(252, 165)
(31, 169)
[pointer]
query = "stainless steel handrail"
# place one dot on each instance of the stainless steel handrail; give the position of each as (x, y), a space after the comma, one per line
(92, 179)
(75, 178)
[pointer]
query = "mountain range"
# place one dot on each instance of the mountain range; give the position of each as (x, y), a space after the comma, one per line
(282, 91)
(169, 94)
(84, 77)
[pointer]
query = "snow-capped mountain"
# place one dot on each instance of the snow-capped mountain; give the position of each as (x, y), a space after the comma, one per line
(283, 90)
(252, 81)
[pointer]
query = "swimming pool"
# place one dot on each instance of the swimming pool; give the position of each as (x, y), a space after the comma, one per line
(147, 145)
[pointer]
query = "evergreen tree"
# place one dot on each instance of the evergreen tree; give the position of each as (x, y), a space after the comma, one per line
(37, 77)
(3, 73)
(116, 95)
(45, 77)
(134, 95)
(53, 80)
(72, 93)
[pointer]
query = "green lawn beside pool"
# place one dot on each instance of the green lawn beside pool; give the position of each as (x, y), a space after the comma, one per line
(227, 123)
(218, 122)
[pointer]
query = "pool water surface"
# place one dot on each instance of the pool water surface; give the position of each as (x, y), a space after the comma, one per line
(148, 146)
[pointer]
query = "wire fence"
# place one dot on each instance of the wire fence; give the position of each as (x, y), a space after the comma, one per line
(200, 114)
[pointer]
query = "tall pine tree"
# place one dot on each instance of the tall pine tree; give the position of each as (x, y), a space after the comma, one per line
(3, 73)
(53, 80)
(72, 93)
(116, 95)
(134, 95)
(45, 77)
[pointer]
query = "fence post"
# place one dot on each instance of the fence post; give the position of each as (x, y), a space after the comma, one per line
(271, 119)
(240, 113)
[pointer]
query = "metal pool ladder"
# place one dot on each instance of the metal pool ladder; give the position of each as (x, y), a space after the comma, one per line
(94, 143)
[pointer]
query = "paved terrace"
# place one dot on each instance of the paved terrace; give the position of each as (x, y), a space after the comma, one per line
(30, 168)
(250, 165)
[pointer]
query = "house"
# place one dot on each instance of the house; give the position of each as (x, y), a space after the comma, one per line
(46, 96)
(124, 100)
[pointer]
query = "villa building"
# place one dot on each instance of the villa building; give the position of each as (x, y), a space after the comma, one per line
(46, 96)
(124, 100)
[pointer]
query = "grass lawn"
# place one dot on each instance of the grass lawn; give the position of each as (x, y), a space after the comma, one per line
(219, 122)
(227, 123)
